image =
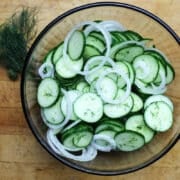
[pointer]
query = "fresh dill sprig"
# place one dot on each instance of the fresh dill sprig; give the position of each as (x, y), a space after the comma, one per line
(16, 35)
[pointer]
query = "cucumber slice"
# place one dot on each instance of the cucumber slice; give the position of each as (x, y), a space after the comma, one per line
(57, 53)
(90, 51)
(82, 139)
(73, 95)
(89, 107)
(81, 85)
(76, 45)
(131, 71)
(156, 98)
(129, 141)
(94, 76)
(132, 35)
(66, 68)
(77, 137)
(48, 57)
(47, 92)
(162, 70)
(110, 125)
(95, 42)
(138, 102)
(97, 35)
(120, 35)
(136, 123)
(54, 114)
(151, 63)
(129, 53)
(119, 110)
(108, 88)
(124, 68)
(158, 116)
(170, 73)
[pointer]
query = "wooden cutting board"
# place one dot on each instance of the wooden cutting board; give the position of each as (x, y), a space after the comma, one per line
(21, 157)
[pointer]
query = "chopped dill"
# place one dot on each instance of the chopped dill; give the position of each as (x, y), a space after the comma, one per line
(16, 34)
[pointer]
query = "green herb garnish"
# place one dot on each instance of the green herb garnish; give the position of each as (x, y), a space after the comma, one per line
(16, 35)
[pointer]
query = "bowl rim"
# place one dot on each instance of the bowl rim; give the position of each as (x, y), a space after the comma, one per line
(24, 104)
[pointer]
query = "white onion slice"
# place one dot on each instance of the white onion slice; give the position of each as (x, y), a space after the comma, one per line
(52, 140)
(104, 60)
(111, 143)
(46, 70)
(128, 87)
(111, 25)
(149, 90)
(87, 154)
(71, 125)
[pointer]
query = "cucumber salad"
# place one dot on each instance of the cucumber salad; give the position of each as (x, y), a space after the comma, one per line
(102, 89)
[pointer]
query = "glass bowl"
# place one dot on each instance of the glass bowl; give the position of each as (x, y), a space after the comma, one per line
(133, 18)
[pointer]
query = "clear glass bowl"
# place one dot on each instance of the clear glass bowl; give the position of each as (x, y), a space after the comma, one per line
(133, 18)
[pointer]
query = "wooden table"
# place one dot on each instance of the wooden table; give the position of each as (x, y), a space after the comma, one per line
(21, 157)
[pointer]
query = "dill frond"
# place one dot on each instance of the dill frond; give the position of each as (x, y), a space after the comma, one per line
(16, 35)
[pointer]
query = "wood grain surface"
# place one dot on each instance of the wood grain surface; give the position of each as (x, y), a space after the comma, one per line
(21, 157)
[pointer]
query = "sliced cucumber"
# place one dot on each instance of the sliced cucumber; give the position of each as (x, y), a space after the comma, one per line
(136, 123)
(95, 42)
(82, 139)
(54, 114)
(125, 69)
(129, 141)
(48, 58)
(81, 85)
(108, 88)
(90, 51)
(89, 107)
(77, 137)
(47, 92)
(137, 102)
(73, 95)
(156, 98)
(158, 116)
(119, 110)
(170, 73)
(110, 125)
(98, 35)
(57, 53)
(129, 53)
(76, 45)
(66, 68)
(152, 65)
(132, 35)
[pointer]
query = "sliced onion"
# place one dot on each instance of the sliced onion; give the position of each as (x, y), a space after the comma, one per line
(71, 125)
(87, 154)
(145, 68)
(149, 90)
(128, 87)
(52, 140)
(111, 25)
(111, 143)
(46, 70)
(104, 60)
